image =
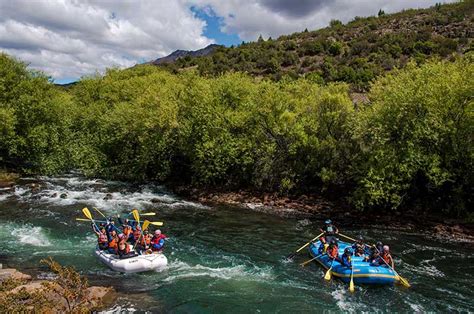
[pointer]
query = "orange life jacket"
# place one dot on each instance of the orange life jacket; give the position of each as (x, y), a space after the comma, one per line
(146, 239)
(333, 252)
(113, 243)
(127, 231)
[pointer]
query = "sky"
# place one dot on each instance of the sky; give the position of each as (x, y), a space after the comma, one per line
(68, 39)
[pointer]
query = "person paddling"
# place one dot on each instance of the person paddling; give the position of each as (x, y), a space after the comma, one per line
(386, 257)
(102, 239)
(346, 259)
(329, 230)
(158, 241)
(333, 250)
(123, 249)
(136, 234)
(145, 242)
(359, 247)
(127, 232)
(113, 242)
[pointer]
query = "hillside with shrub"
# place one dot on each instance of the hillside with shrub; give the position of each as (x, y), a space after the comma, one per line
(355, 53)
(411, 145)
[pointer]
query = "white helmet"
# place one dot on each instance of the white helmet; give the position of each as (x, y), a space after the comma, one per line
(386, 248)
(157, 232)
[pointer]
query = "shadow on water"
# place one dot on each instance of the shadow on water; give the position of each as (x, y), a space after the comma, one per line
(222, 259)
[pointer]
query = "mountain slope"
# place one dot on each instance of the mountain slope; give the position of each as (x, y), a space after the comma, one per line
(355, 53)
(184, 53)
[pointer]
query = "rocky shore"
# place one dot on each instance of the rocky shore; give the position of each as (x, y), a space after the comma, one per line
(21, 292)
(318, 208)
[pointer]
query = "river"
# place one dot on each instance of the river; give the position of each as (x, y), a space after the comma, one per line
(221, 259)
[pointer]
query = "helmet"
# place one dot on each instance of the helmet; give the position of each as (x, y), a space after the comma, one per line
(328, 221)
(334, 242)
(157, 232)
(145, 232)
(386, 248)
(348, 251)
(379, 243)
(121, 236)
(360, 238)
(138, 227)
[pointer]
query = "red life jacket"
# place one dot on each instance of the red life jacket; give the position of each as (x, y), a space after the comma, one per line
(102, 238)
(387, 258)
(333, 252)
(156, 240)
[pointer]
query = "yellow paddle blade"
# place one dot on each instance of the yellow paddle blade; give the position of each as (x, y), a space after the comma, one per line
(328, 274)
(82, 219)
(136, 215)
(156, 223)
(100, 213)
(148, 214)
(351, 286)
(87, 213)
(146, 223)
(404, 282)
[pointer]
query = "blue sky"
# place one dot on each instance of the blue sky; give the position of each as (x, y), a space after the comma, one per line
(213, 27)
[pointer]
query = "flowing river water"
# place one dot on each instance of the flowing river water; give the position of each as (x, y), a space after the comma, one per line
(221, 259)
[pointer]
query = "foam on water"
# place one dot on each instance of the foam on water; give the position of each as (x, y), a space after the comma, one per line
(3, 197)
(180, 270)
(31, 235)
(107, 195)
(341, 296)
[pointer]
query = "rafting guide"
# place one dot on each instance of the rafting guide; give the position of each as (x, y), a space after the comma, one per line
(372, 265)
(130, 249)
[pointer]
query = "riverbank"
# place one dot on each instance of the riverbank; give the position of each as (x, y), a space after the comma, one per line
(63, 291)
(318, 208)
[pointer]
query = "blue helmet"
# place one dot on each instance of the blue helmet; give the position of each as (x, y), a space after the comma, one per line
(328, 221)
(348, 251)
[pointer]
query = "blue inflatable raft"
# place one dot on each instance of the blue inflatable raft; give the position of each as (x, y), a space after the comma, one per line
(364, 273)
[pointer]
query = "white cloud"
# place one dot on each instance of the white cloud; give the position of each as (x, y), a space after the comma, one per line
(71, 38)
(250, 18)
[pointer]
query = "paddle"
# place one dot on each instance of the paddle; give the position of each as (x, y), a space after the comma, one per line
(309, 261)
(351, 284)
(290, 256)
(144, 227)
(82, 219)
(87, 213)
(97, 210)
(328, 273)
(143, 214)
(402, 280)
(155, 223)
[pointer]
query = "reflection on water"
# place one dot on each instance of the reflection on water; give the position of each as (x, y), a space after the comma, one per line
(221, 259)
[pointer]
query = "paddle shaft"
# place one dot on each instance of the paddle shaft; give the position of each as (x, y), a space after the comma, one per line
(309, 261)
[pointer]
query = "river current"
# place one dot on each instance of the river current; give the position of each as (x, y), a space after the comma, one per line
(221, 259)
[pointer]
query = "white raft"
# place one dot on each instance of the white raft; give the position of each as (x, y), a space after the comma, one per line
(136, 264)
